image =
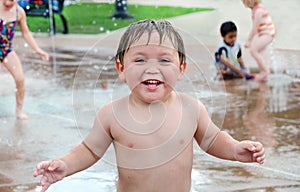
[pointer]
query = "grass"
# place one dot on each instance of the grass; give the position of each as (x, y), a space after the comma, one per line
(94, 18)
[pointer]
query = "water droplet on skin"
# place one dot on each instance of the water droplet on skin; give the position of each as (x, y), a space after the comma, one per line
(101, 28)
(14, 67)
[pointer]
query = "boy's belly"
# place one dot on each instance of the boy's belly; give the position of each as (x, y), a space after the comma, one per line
(173, 176)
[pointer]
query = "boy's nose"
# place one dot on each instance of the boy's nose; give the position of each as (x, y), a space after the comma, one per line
(152, 67)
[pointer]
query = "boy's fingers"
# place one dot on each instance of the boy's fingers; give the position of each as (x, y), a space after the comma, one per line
(38, 172)
(41, 167)
(259, 154)
(254, 146)
(249, 146)
(54, 165)
(261, 159)
(43, 164)
(258, 145)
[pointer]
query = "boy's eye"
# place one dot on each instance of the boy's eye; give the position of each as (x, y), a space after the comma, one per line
(164, 60)
(139, 60)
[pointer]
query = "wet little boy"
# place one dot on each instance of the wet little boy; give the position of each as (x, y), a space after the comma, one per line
(152, 129)
(228, 56)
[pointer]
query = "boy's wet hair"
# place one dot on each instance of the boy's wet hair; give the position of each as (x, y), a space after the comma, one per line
(137, 29)
(227, 27)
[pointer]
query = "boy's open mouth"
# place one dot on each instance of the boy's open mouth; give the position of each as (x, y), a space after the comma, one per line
(152, 82)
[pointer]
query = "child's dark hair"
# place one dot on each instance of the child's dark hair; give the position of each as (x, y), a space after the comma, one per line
(227, 27)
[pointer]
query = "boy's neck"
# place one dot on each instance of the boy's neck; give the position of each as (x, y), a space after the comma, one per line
(137, 101)
(229, 44)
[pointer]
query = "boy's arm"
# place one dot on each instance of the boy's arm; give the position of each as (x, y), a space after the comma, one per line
(232, 67)
(241, 62)
(99, 138)
(220, 144)
(78, 159)
(28, 36)
(206, 131)
(226, 147)
(93, 147)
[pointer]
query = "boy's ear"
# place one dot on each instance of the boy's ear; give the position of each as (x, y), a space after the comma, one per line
(120, 69)
(182, 69)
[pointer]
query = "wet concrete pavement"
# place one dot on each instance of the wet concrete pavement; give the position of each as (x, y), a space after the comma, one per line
(61, 101)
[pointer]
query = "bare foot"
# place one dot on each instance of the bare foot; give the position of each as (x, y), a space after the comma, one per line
(22, 116)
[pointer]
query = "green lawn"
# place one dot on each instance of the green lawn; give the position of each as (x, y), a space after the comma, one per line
(93, 18)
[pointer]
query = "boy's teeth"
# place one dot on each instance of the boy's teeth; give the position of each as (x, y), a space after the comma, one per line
(152, 82)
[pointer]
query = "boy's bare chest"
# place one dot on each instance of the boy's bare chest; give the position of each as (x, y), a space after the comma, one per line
(141, 134)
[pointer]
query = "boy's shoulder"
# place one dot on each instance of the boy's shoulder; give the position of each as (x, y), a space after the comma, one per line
(188, 100)
(108, 107)
(223, 44)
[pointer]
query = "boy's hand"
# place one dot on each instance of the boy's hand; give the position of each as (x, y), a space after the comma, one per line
(249, 151)
(51, 171)
(43, 55)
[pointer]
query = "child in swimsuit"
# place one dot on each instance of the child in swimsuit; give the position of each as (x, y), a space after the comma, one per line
(153, 128)
(11, 15)
(264, 28)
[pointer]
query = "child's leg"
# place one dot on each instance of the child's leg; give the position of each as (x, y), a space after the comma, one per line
(256, 49)
(13, 65)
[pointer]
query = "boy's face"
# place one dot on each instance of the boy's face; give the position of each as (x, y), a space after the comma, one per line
(151, 70)
(230, 38)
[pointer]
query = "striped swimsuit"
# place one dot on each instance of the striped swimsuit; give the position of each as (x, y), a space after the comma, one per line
(266, 26)
(7, 32)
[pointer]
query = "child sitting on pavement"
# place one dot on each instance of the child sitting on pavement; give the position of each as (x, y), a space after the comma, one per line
(228, 57)
(152, 128)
